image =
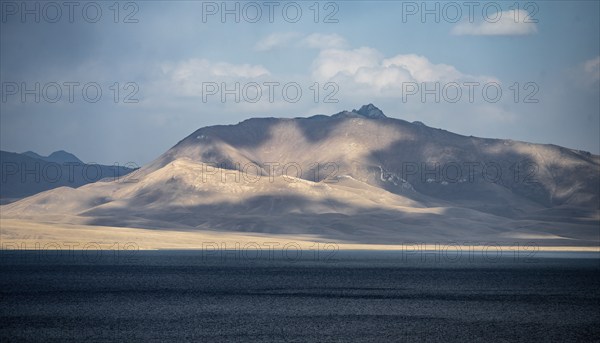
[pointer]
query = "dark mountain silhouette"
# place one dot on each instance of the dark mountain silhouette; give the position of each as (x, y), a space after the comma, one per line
(28, 173)
(60, 156)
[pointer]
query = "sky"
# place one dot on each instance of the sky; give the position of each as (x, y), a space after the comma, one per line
(123, 82)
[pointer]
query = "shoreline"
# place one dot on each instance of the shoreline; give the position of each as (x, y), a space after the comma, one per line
(18, 234)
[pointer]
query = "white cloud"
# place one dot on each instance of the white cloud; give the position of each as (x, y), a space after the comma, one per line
(187, 76)
(299, 40)
(332, 62)
(509, 23)
(586, 75)
(592, 70)
(276, 40)
(421, 70)
(324, 41)
(362, 75)
(367, 68)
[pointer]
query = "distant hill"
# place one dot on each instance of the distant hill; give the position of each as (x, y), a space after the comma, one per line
(28, 173)
(60, 156)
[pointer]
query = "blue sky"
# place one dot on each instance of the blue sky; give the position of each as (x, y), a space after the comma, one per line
(373, 52)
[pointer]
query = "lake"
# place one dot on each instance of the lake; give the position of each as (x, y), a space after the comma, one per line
(350, 296)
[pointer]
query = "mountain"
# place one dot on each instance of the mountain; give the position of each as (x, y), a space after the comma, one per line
(370, 111)
(60, 156)
(28, 173)
(355, 176)
(32, 154)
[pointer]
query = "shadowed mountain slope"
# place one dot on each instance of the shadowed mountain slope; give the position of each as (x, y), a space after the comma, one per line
(355, 176)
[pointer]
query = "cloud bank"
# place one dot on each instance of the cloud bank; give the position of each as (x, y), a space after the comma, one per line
(505, 23)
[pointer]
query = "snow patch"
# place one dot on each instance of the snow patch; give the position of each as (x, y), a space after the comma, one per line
(394, 179)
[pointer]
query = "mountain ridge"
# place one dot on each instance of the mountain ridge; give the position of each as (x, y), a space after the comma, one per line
(25, 174)
(347, 177)
(59, 156)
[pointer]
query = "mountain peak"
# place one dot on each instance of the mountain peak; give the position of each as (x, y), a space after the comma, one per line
(370, 111)
(59, 156)
(62, 156)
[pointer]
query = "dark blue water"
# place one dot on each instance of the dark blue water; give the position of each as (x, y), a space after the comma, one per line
(349, 297)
